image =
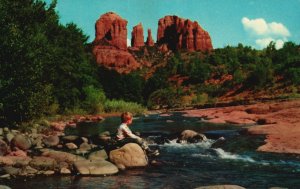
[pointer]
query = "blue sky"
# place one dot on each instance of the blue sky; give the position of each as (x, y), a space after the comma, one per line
(229, 22)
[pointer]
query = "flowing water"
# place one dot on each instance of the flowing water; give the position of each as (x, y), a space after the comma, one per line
(187, 165)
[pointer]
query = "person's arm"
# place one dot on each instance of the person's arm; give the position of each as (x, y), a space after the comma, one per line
(127, 132)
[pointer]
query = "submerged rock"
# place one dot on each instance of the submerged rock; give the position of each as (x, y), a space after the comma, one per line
(191, 136)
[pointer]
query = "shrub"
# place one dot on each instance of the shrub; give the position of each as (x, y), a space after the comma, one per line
(94, 99)
(162, 97)
(200, 99)
(122, 106)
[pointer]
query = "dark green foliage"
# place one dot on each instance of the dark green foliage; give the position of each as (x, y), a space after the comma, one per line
(127, 87)
(42, 62)
(163, 98)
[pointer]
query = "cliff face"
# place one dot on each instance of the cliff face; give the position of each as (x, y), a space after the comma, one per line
(176, 33)
(137, 36)
(110, 44)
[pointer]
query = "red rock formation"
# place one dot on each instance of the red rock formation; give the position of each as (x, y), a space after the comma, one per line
(111, 58)
(178, 33)
(110, 44)
(149, 41)
(111, 28)
(137, 36)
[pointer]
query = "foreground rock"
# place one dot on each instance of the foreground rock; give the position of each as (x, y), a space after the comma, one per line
(221, 187)
(130, 155)
(279, 121)
(95, 167)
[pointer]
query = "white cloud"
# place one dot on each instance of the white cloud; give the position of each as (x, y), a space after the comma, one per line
(264, 32)
(257, 26)
(278, 29)
(264, 42)
(261, 28)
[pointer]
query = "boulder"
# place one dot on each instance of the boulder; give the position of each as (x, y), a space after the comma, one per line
(178, 33)
(11, 170)
(21, 141)
(71, 146)
(50, 141)
(191, 136)
(43, 163)
(129, 155)
(62, 156)
(98, 155)
(221, 187)
(20, 161)
(95, 167)
(28, 171)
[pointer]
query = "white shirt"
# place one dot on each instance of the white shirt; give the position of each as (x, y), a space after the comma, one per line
(124, 131)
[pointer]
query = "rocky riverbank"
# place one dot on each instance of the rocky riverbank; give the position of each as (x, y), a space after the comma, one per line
(279, 121)
(45, 149)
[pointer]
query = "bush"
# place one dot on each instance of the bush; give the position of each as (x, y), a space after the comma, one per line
(94, 99)
(122, 106)
(200, 99)
(162, 98)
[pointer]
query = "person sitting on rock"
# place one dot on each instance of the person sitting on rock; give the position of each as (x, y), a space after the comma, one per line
(125, 135)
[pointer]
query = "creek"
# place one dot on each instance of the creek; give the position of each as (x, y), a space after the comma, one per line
(186, 165)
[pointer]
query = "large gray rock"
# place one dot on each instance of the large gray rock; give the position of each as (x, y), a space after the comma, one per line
(221, 187)
(62, 156)
(71, 146)
(95, 167)
(11, 170)
(129, 155)
(28, 171)
(50, 141)
(21, 141)
(98, 155)
(20, 161)
(191, 136)
(43, 163)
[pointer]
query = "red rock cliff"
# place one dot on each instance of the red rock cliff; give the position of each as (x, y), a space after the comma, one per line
(149, 41)
(176, 33)
(110, 44)
(137, 36)
(111, 28)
